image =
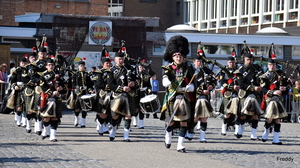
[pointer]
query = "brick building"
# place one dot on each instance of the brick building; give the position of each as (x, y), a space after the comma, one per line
(11, 8)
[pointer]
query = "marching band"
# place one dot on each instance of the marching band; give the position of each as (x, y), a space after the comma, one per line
(122, 91)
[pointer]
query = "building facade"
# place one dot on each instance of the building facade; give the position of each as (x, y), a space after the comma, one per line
(240, 16)
(11, 8)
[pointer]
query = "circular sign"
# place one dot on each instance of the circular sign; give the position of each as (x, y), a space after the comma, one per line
(100, 33)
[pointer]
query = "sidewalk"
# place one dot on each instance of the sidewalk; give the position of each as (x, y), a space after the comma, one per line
(83, 147)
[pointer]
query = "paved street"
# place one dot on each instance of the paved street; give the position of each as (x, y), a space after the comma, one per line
(83, 147)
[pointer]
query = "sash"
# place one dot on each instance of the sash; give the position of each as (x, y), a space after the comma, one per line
(172, 91)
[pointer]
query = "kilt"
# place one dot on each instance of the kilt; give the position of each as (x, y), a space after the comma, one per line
(275, 109)
(183, 113)
(250, 105)
(29, 99)
(19, 98)
(104, 101)
(58, 108)
(231, 105)
(203, 108)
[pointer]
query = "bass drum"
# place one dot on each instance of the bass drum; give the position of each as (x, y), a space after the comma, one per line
(150, 104)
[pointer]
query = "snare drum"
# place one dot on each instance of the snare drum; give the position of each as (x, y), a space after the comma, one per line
(86, 102)
(150, 104)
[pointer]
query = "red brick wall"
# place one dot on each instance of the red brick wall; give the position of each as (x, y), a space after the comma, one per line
(11, 8)
(165, 10)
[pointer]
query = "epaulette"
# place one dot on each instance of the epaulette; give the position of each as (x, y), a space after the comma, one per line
(263, 76)
(34, 63)
(42, 73)
(239, 70)
(166, 67)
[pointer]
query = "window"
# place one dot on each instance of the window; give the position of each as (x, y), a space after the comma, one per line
(267, 18)
(233, 7)
(187, 13)
(244, 21)
(195, 6)
(245, 7)
(296, 51)
(177, 8)
(255, 7)
(254, 20)
(279, 17)
(205, 10)
(294, 4)
(268, 6)
(213, 9)
(293, 15)
(159, 48)
(280, 5)
(264, 50)
(224, 8)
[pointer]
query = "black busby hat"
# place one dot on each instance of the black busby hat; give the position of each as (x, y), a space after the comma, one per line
(94, 67)
(42, 49)
(176, 45)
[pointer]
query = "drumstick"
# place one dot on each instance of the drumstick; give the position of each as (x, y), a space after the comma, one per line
(177, 106)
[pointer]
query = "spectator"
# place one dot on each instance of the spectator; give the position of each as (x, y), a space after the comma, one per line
(154, 85)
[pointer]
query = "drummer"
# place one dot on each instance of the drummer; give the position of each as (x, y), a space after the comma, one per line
(144, 89)
(82, 84)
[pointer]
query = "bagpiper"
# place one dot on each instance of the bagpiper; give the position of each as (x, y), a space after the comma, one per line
(121, 81)
(51, 102)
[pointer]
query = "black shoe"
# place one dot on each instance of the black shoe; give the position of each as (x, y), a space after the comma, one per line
(39, 132)
(76, 125)
(253, 139)
(19, 125)
(28, 131)
(83, 126)
(126, 140)
(100, 134)
(155, 116)
(106, 132)
(111, 138)
(44, 137)
(181, 150)
(238, 136)
(167, 145)
(223, 134)
(53, 140)
(203, 141)
(135, 125)
(188, 138)
(277, 143)
(141, 128)
(264, 140)
(147, 115)
(24, 126)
